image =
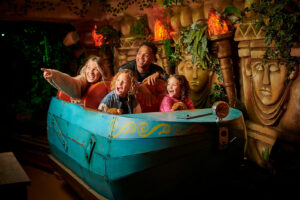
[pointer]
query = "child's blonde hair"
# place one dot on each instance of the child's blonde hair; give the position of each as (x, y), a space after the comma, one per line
(184, 86)
(133, 81)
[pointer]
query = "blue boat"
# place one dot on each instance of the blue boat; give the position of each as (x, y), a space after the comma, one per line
(131, 156)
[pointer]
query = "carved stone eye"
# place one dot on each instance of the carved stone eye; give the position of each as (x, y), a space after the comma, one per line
(258, 67)
(274, 68)
(189, 66)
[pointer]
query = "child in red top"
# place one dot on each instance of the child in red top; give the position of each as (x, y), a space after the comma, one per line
(178, 95)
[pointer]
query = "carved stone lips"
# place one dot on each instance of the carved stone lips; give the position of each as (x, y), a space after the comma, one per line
(265, 92)
(195, 83)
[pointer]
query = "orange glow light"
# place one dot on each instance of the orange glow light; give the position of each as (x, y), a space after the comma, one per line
(216, 25)
(98, 38)
(160, 33)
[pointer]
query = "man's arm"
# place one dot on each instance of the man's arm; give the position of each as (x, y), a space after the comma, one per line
(159, 73)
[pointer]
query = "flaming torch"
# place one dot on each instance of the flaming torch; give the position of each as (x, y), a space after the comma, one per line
(160, 32)
(98, 38)
(219, 34)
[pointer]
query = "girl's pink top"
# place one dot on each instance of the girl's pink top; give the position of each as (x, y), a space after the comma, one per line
(167, 103)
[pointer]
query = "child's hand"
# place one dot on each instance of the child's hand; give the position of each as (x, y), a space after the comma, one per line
(75, 101)
(47, 73)
(114, 111)
(179, 106)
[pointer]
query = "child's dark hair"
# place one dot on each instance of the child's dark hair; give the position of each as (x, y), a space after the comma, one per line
(184, 86)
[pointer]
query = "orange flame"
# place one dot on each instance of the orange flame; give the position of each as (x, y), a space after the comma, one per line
(160, 32)
(216, 25)
(98, 38)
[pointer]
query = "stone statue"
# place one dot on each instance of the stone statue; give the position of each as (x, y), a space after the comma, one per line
(200, 80)
(269, 90)
(271, 93)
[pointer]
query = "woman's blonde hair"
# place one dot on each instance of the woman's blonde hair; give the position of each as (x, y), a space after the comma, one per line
(95, 59)
(133, 81)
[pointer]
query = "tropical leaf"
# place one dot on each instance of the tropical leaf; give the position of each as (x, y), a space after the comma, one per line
(230, 9)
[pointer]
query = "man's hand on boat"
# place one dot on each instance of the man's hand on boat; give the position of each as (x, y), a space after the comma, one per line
(152, 79)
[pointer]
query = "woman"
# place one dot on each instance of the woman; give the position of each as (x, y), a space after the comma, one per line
(76, 86)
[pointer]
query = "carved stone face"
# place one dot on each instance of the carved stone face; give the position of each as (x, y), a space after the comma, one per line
(196, 76)
(268, 81)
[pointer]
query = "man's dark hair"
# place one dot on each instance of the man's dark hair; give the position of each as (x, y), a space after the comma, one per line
(150, 45)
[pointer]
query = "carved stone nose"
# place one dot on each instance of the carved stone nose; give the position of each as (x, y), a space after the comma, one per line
(266, 76)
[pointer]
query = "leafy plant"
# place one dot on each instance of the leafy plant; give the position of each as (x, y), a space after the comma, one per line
(140, 27)
(217, 94)
(39, 47)
(232, 13)
(111, 37)
(71, 5)
(266, 153)
(125, 4)
(279, 18)
(195, 41)
(173, 54)
(171, 3)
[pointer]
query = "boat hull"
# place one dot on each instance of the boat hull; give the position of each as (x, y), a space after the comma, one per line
(138, 155)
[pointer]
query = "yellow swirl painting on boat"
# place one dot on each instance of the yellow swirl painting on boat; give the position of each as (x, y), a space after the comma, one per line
(143, 130)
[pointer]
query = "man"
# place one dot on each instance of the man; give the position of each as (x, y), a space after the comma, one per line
(143, 65)
(146, 70)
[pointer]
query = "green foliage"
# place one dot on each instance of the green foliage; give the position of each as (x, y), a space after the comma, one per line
(279, 18)
(171, 3)
(125, 4)
(173, 56)
(22, 9)
(230, 9)
(111, 37)
(232, 13)
(41, 47)
(266, 153)
(217, 94)
(140, 27)
(195, 41)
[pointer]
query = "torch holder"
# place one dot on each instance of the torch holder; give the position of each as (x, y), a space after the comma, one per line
(222, 49)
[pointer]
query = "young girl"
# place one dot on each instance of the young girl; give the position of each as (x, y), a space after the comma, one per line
(121, 100)
(76, 86)
(178, 95)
